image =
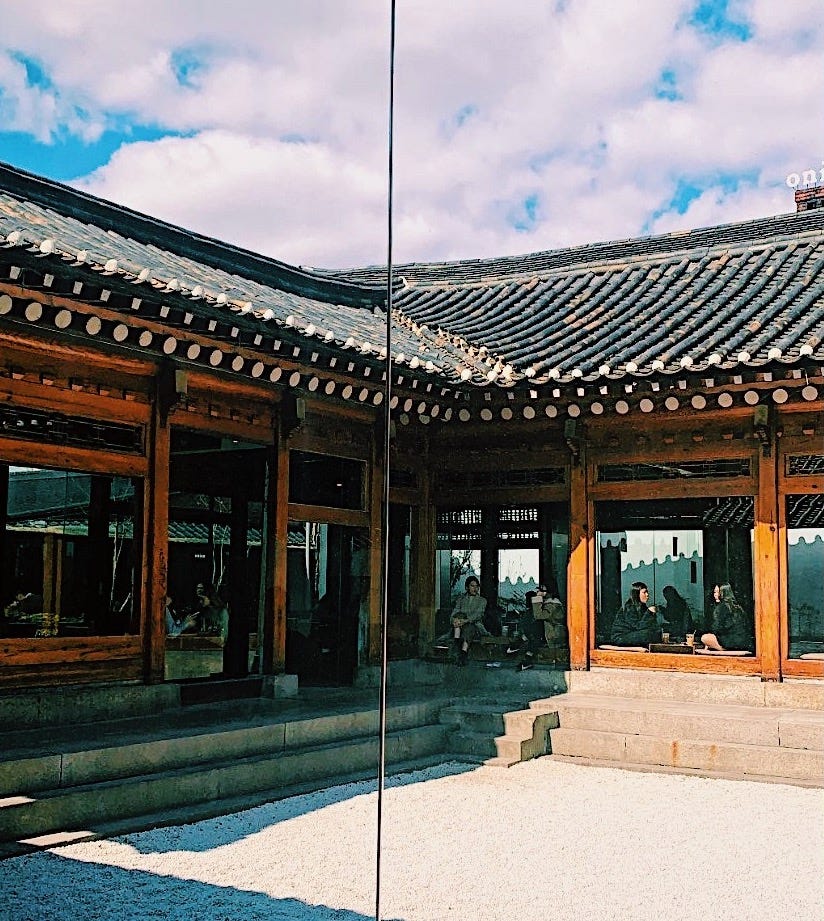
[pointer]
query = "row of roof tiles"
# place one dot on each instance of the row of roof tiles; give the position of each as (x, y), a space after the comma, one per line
(745, 295)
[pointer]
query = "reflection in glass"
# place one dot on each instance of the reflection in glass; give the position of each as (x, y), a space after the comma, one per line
(327, 602)
(680, 549)
(216, 554)
(69, 548)
(403, 622)
(805, 575)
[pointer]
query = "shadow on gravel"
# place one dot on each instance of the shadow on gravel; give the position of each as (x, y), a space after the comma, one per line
(211, 833)
(49, 887)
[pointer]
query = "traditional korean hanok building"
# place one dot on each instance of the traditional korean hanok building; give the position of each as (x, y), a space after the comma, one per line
(192, 463)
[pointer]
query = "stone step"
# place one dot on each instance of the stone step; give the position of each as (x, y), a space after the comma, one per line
(484, 718)
(802, 694)
(479, 744)
(526, 736)
(91, 754)
(85, 806)
(748, 725)
(791, 764)
(31, 708)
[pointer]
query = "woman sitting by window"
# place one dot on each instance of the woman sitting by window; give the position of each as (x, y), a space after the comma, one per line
(635, 623)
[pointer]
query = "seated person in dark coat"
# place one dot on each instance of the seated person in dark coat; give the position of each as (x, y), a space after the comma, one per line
(731, 626)
(675, 617)
(635, 623)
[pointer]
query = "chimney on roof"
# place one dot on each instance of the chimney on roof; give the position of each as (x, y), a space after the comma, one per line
(809, 199)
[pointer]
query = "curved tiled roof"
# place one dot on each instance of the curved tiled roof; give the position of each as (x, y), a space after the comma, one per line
(740, 297)
(737, 296)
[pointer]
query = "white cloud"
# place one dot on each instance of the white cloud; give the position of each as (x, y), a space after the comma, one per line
(559, 107)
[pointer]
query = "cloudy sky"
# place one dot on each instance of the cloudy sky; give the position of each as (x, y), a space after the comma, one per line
(520, 125)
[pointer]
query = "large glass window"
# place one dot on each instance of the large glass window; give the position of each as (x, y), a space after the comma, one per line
(216, 554)
(680, 549)
(321, 479)
(805, 575)
(327, 601)
(69, 547)
(402, 622)
(511, 549)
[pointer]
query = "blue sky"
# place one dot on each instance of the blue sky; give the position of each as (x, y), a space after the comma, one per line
(519, 127)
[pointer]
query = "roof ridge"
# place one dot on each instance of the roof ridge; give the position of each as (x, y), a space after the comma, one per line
(148, 230)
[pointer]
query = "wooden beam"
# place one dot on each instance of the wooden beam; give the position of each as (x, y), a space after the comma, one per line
(73, 402)
(720, 665)
(42, 454)
(326, 515)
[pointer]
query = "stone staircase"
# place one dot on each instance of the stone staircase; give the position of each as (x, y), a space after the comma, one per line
(711, 725)
(61, 781)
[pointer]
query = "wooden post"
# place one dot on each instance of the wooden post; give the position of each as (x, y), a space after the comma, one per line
(156, 520)
(376, 555)
(423, 562)
(274, 648)
(766, 551)
(578, 573)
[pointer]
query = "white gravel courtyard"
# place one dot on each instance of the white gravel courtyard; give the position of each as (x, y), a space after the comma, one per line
(542, 840)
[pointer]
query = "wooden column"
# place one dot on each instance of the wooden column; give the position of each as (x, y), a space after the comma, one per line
(766, 553)
(7, 584)
(156, 556)
(274, 648)
(236, 648)
(578, 572)
(422, 564)
(266, 592)
(376, 551)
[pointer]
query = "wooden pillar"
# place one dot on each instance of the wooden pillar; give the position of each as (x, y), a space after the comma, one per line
(51, 586)
(265, 624)
(766, 552)
(236, 648)
(99, 572)
(422, 566)
(578, 573)
(7, 586)
(376, 549)
(156, 558)
(274, 641)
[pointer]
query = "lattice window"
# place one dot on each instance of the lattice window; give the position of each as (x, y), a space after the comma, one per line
(730, 512)
(505, 477)
(673, 470)
(805, 511)
(56, 428)
(804, 464)
(460, 526)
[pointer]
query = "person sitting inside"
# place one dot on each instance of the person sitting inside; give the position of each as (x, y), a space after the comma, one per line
(466, 618)
(530, 633)
(25, 603)
(675, 616)
(214, 613)
(635, 623)
(176, 625)
(730, 626)
(554, 619)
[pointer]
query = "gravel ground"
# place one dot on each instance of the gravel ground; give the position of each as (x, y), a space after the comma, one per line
(542, 840)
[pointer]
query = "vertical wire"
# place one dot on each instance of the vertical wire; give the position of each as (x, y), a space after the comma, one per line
(387, 433)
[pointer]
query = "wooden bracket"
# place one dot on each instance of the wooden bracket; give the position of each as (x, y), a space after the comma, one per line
(762, 429)
(573, 441)
(172, 389)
